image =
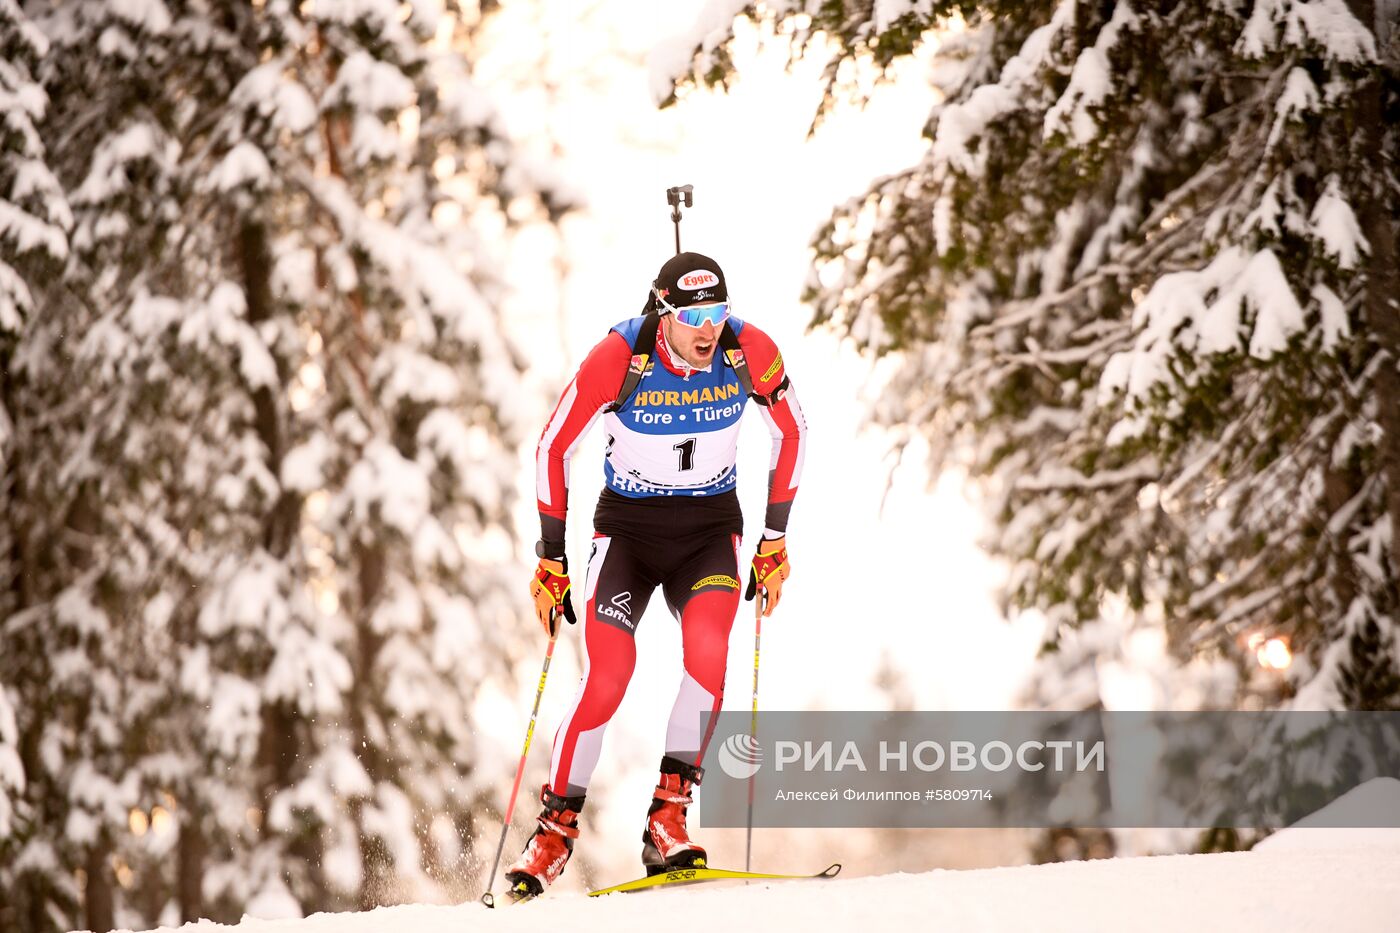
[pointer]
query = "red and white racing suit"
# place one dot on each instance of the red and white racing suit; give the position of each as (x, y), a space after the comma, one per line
(669, 516)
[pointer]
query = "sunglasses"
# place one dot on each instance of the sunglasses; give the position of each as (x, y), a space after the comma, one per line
(697, 315)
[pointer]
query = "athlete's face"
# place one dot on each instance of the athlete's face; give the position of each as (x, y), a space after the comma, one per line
(696, 345)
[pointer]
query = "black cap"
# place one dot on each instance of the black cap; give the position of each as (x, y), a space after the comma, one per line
(690, 279)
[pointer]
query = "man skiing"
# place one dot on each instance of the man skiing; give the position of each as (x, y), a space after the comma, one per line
(668, 516)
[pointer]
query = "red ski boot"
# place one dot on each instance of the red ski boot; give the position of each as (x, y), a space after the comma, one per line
(666, 845)
(549, 848)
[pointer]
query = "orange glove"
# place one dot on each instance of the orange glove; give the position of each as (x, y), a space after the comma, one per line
(767, 572)
(549, 588)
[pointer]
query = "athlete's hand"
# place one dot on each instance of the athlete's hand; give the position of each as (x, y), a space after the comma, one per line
(549, 588)
(768, 570)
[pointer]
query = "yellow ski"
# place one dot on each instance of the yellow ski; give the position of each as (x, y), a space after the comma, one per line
(697, 875)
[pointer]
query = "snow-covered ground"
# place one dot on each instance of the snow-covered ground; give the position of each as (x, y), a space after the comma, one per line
(1303, 878)
(1353, 889)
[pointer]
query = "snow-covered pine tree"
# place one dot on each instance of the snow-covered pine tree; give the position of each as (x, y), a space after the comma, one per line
(34, 218)
(1145, 282)
(265, 416)
(406, 403)
(142, 469)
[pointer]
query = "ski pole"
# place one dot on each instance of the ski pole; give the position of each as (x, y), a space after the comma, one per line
(753, 720)
(488, 898)
(674, 197)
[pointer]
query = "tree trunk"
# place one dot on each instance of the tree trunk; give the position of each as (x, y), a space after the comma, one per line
(281, 730)
(255, 261)
(189, 881)
(99, 912)
(375, 861)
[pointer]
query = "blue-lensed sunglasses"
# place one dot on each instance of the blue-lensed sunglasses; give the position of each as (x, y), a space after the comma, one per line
(697, 315)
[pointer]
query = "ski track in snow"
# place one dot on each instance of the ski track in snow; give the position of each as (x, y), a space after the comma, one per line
(1295, 889)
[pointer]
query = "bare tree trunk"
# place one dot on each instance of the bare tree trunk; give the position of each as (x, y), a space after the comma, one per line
(99, 912)
(255, 260)
(189, 880)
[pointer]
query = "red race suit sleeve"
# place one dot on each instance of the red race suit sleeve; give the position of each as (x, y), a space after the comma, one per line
(786, 424)
(593, 388)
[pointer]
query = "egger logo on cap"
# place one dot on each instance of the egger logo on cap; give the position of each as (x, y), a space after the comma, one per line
(700, 278)
(689, 279)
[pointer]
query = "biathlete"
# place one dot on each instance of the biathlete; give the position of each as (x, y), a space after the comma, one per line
(671, 386)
